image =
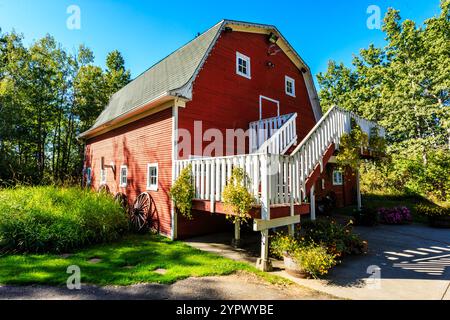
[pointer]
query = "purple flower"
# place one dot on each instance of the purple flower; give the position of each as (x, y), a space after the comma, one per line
(396, 215)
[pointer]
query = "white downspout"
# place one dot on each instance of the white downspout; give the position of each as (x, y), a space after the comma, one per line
(174, 217)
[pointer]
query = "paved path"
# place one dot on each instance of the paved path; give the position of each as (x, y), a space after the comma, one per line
(240, 286)
(404, 262)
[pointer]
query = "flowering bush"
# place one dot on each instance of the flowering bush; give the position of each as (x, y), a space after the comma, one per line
(338, 239)
(314, 259)
(282, 245)
(396, 215)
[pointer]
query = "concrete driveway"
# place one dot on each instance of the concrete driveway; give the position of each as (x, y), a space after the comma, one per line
(404, 262)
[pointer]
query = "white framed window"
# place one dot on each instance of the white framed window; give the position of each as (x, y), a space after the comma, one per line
(102, 176)
(243, 67)
(338, 178)
(289, 86)
(88, 176)
(152, 177)
(123, 176)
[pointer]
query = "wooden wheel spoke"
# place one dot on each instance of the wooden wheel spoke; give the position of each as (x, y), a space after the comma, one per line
(141, 213)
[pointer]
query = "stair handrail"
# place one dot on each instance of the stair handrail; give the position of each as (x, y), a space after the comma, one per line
(292, 117)
(325, 116)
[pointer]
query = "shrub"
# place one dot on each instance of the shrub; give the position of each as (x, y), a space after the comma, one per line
(236, 198)
(282, 245)
(432, 211)
(50, 219)
(396, 215)
(338, 239)
(182, 192)
(314, 259)
(376, 142)
(350, 147)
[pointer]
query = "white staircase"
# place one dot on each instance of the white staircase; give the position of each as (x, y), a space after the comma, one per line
(275, 178)
(273, 135)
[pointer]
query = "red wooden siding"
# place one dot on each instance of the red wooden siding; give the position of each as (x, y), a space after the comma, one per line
(224, 100)
(137, 144)
(345, 194)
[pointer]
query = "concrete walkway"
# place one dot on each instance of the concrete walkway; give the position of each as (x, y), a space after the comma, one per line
(238, 286)
(404, 262)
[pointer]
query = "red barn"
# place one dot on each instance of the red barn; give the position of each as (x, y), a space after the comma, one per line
(238, 95)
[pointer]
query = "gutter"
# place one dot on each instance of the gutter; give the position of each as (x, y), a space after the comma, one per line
(164, 97)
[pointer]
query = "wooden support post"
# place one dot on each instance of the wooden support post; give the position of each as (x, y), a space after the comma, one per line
(237, 234)
(358, 191)
(264, 263)
(312, 199)
(291, 202)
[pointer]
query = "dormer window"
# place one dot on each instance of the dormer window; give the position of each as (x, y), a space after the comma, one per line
(290, 86)
(243, 65)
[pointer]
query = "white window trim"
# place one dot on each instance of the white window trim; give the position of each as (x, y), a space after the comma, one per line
(286, 80)
(123, 185)
(249, 69)
(152, 187)
(103, 176)
(338, 183)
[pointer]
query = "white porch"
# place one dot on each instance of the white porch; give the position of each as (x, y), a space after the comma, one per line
(276, 179)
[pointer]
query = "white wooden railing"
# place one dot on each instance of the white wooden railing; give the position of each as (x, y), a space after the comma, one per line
(274, 178)
(274, 135)
(310, 152)
(282, 139)
(210, 175)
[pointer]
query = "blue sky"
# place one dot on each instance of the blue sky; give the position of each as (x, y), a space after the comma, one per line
(146, 31)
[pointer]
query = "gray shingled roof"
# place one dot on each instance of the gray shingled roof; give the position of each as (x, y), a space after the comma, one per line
(169, 74)
(174, 75)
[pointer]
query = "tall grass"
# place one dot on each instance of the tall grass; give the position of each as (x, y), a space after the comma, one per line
(53, 219)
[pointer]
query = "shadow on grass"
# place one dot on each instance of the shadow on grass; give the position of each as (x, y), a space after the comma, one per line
(132, 260)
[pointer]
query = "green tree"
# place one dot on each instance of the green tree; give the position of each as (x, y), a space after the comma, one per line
(404, 86)
(48, 97)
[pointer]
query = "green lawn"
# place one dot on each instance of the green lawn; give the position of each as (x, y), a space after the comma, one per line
(376, 201)
(132, 260)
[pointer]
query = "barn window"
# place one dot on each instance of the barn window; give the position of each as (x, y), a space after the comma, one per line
(243, 65)
(338, 178)
(123, 176)
(88, 177)
(290, 86)
(102, 176)
(152, 176)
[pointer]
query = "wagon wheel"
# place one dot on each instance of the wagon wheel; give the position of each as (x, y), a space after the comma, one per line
(140, 212)
(153, 219)
(104, 189)
(121, 199)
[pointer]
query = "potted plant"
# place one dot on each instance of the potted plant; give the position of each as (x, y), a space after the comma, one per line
(302, 259)
(286, 247)
(314, 260)
(438, 217)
